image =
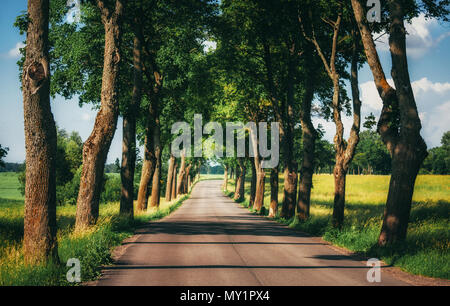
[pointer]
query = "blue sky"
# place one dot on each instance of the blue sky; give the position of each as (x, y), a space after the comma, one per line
(429, 63)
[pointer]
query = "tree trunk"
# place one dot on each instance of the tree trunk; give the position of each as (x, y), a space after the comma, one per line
(240, 181)
(225, 179)
(252, 184)
(96, 147)
(399, 124)
(287, 135)
(410, 150)
(170, 178)
(181, 173)
(156, 183)
(236, 180)
(129, 136)
(185, 179)
(339, 194)
(289, 190)
(39, 241)
(148, 168)
(309, 136)
(273, 193)
(174, 182)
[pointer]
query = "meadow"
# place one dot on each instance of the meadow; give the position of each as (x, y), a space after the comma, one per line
(92, 247)
(426, 249)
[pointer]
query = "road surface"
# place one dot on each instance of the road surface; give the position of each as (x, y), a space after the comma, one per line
(210, 240)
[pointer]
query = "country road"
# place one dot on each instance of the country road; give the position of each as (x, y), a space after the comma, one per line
(210, 240)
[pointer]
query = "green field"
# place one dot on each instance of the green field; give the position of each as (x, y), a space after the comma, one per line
(9, 186)
(426, 250)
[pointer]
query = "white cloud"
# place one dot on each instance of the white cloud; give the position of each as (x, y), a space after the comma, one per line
(15, 52)
(85, 117)
(419, 39)
(429, 96)
(424, 85)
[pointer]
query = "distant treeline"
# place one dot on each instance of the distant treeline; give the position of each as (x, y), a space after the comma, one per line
(12, 167)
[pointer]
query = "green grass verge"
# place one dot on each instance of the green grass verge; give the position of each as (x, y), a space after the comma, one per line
(92, 247)
(426, 249)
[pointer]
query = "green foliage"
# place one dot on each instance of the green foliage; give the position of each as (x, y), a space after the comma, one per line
(371, 156)
(112, 189)
(68, 167)
(438, 159)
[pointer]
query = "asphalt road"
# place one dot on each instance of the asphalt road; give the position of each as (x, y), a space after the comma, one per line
(210, 240)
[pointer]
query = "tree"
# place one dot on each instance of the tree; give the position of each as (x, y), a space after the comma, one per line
(39, 240)
(3, 153)
(399, 123)
(334, 15)
(96, 147)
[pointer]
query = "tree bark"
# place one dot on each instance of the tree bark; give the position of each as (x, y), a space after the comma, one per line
(181, 173)
(174, 182)
(39, 241)
(240, 181)
(148, 168)
(273, 209)
(96, 147)
(170, 178)
(156, 183)
(225, 179)
(185, 179)
(129, 136)
(309, 136)
(252, 183)
(399, 124)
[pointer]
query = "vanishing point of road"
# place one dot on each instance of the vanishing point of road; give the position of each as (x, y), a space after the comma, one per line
(212, 241)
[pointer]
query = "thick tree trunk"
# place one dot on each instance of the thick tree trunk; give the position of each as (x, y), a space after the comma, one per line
(170, 178)
(148, 168)
(39, 241)
(289, 190)
(273, 209)
(410, 150)
(240, 181)
(129, 136)
(399, 124)
(339, 194)
(96, 147)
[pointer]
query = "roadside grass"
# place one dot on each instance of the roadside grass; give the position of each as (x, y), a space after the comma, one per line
(426, 249)
(92, 246)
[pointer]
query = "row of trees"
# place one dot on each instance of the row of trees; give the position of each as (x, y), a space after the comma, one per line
(277, 57)
(145, 60)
